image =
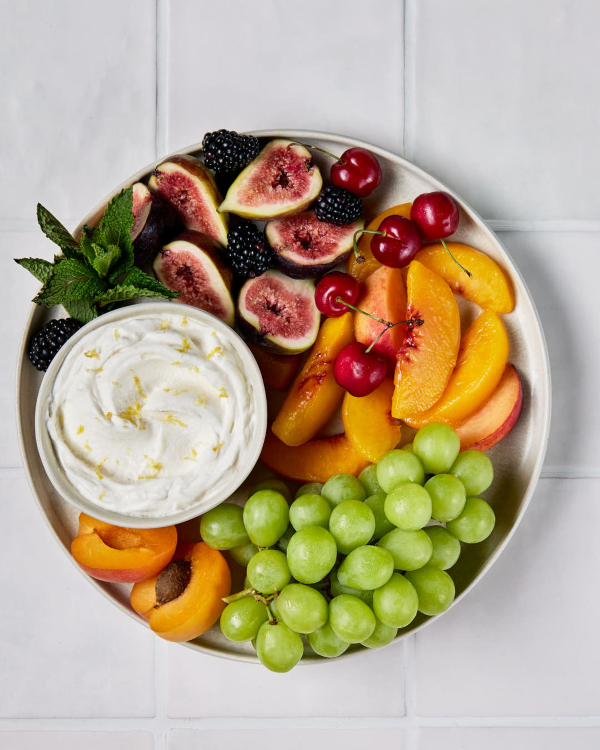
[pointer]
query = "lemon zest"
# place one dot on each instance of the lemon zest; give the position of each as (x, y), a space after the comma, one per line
(223, 393)
(212, 352)
(92, 353)
(117, 334)
(218, 446)
(138, 386)
(171, 419)
(80, 429)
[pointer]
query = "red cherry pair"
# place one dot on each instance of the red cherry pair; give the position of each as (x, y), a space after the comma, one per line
(356, 170)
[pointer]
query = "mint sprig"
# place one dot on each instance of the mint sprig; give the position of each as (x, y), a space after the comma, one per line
(99, 271)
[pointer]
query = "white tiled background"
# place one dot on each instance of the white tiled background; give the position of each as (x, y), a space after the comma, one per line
(501, 101)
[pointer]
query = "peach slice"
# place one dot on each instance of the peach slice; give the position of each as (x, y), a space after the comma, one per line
(314, 461)
(277, 370)
(186, 599)
(496, 418)
(361, 271)
(428, 354)
(368, 422)
(488, 287)
(315, 396)
(383, 295)
(112, 553)
(481, 362)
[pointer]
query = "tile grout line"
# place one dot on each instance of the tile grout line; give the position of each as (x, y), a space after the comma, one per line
(410, 693)
(162, 78)
(409, 81)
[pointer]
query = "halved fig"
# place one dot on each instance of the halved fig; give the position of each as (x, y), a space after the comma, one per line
(142, 203)
(185, 183)
(191, 265)
(154, 223)
(279, 313)
(306, 247)
(281, 181)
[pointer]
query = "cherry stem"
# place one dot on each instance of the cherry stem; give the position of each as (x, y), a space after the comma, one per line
(360, 258)
(469, 274)
(386, 323)
(316, 148)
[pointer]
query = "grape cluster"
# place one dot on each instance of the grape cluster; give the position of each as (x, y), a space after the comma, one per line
(355, 559)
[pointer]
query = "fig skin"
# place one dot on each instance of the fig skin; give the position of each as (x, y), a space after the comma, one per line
(141, 207)
(298, 271)
(161, 226)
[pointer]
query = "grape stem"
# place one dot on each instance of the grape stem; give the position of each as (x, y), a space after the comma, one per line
(386, 323)
(240, 595)
(360, 258)
(469, 274)
(315, 148)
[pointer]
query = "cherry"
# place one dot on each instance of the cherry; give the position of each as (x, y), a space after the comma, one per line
(359, 371)
(435, 214)
(333, 291)
(397, 242)
(358, 171)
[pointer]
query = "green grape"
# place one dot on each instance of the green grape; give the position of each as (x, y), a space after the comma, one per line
(247, 583)
(398, 467)
(382, 522)
(268, 571)
(273, 484)
(343, 487)
(278, 648)
(310, 510)
(410, 549)
(383, 635)
(475, 523)
(475, 471)
(285, 538)
(446, 547)
(336, 589)
(311, 554)
(326, 643)
(408, 448)
(244, 553)
(408, 506)
(352, 524)
(273, 607)
(223, 527)
(266, 517)
(368, 479)
(351, 619)
(434, 587)
(396, 603)
(312, 488)
(448, 497)
(241, 620)
(437, 446)
(366, 568)
(302, 608)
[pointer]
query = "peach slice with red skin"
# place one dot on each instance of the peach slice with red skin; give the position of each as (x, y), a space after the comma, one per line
(199, 600)
(481, 361)
(368, 422)
(496, 418)
(428, 354)
(488, 285)
(315, 461)
(122, 555)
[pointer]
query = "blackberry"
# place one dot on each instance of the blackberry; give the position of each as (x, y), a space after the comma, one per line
(44, 346)
(338, 206)
(248, 251)
(226, 151)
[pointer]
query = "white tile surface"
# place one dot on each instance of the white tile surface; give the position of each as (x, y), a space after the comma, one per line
(561, 270)
(50, 740)
(290, 739)
(504, 105)
(490, 738)
(369, 685)
(64, 650)
(523, 642)
(78, 98)
(331, 66)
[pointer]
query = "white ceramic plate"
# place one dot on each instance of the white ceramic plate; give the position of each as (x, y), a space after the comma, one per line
(517, 459)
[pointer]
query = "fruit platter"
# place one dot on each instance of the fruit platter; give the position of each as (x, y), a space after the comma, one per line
(283, 396)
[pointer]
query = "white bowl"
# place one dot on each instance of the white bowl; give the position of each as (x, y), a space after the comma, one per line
(228, 482)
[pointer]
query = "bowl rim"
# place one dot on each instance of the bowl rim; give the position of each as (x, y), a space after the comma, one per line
(229, 480)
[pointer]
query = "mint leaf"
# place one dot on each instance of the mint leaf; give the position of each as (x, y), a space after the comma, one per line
(56, 232)
(83, 310)
(71, 280)
(41, 269)
(87, 244)
(105, 258)
(117, 222)
(137, 277)
(123, 292)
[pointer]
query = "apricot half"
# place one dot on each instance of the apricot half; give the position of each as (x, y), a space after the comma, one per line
(488, 286)
(112, 553)
(186, 599)
(368, 422)
(315, 461)
(428, 354)
(383, 294)
(314, 395)
(481, 362)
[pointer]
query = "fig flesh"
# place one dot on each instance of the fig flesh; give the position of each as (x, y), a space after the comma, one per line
(279, 313)
(191, 265)
(306, 247)
(142, 203)
(155, 223)
(185, 183)
(281, 181)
